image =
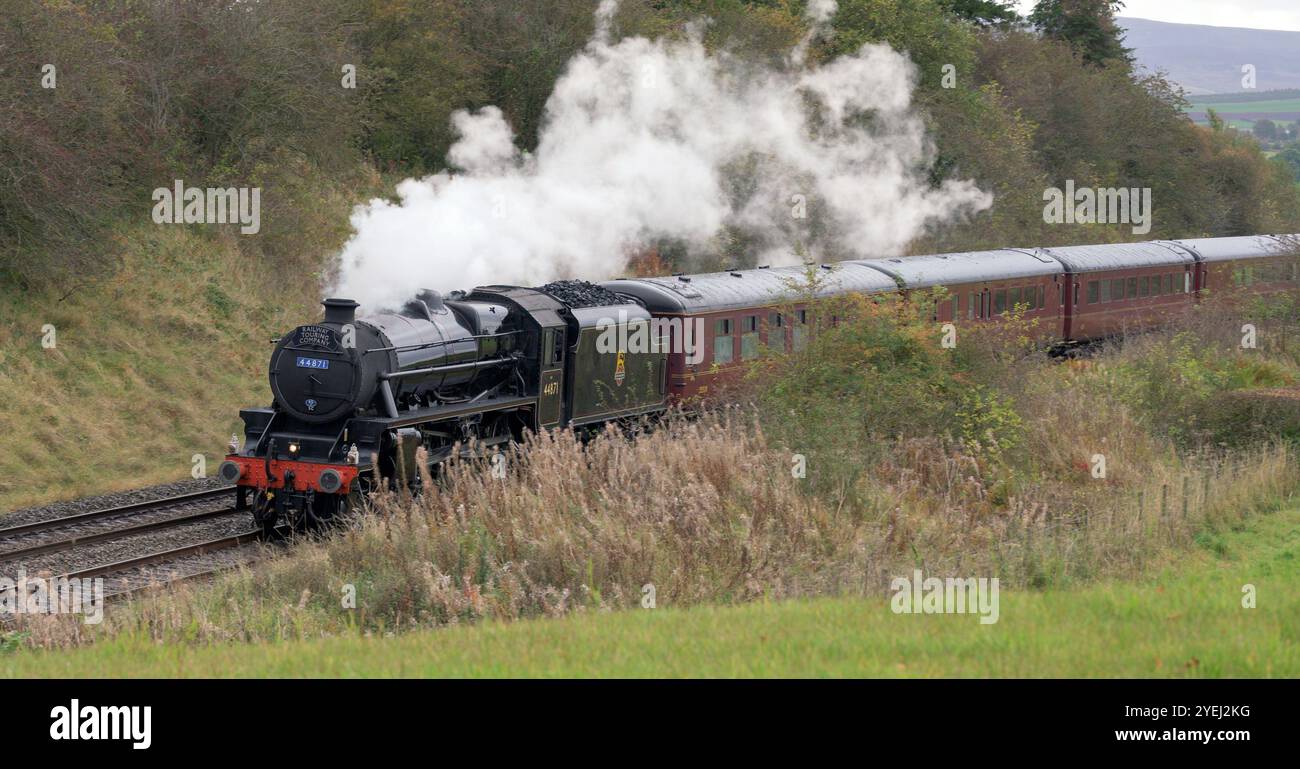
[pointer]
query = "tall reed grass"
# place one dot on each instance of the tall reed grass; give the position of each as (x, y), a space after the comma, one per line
(697, 511)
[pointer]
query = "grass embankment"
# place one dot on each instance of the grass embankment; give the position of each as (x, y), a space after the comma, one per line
(1187, 621)
(149, 367)
(152, 360)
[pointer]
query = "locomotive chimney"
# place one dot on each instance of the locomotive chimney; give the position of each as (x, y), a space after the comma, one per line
(340, 311)
(432, 299)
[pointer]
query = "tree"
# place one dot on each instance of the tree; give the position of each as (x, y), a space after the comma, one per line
(1087, 25)
(1265, 129)
(1289, 158)
(66, 135)
(985, 13)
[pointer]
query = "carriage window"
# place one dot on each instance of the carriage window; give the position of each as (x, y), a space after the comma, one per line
(749, 337)
(722, 344)
(1013, 298)
(1076, 294)
(1116, 290)
(1132, 288)
(956, 307)
(1094, 291)
(1041, 296)
(1144, 286)
(799, 332)
(1104, 291)
(1155, 285)
(999, 301)
(970, 305)
(776, 331)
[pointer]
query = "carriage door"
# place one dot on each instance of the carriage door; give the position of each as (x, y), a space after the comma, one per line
(551, 395)
(1069, 288)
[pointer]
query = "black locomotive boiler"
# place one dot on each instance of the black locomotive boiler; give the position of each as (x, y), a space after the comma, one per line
(356, 398)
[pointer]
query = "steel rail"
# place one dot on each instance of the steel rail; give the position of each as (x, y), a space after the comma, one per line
(112, 534)
(110, 512)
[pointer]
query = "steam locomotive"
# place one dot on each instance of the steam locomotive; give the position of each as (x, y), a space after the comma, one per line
(355, 399)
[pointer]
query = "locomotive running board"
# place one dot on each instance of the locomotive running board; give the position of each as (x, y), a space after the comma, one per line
(450, 411)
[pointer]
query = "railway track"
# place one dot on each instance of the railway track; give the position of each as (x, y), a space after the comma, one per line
(111, 534)
(121, 511)
(144, 578)
(153, 563)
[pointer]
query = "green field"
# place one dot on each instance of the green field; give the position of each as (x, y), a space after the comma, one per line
(1246, 107)
(1184, 622)
(1243, 114)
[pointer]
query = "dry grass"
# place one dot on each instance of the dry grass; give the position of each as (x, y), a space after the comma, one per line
(707, 512)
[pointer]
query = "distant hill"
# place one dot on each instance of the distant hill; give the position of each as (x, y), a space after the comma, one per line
(1206, 60)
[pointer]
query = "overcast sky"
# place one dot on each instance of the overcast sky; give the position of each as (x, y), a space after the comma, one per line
(1258, 14)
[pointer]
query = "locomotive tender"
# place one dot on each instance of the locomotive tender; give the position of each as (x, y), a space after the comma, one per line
(356, 398)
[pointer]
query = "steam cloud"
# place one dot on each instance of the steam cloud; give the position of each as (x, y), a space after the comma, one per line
(646, 140)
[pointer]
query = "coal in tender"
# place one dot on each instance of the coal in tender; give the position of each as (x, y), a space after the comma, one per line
(580, 293)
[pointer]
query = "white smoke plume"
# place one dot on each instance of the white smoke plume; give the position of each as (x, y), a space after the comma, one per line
(819, 14)
(646, 140)
(821, 11)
